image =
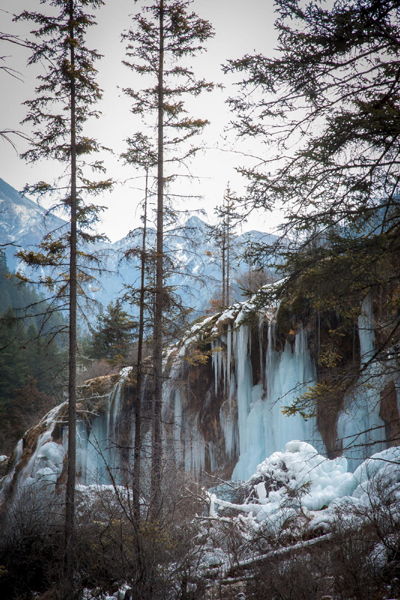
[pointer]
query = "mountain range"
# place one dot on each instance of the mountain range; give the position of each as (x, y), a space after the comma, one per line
(194, 258)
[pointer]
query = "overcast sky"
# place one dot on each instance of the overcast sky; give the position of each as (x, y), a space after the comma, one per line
(240, 27)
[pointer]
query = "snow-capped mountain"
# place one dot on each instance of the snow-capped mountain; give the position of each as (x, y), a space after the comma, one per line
(23, 223)
(193, 260)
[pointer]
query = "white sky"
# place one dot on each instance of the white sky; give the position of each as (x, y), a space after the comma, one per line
(241, 27)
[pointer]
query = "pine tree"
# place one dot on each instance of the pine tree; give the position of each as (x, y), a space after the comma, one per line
(328, 108)
(65, 100)
(112, 335)
(140, 298)
(163, 36)
(223, 234)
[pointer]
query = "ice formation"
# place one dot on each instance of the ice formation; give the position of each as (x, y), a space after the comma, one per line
(97, 438)
(39, 458)
(300, 479)
(360, 425)
(222, 415)
(258, 426)
(262, 427)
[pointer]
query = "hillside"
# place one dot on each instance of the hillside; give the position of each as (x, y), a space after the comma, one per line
(297, 519)
(193, 261)
(23, 222)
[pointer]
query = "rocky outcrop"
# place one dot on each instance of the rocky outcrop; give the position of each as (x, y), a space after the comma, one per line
(389, 413)
(226, 384)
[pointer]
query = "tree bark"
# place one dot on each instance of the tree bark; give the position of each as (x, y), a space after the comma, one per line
(71, 471)
(223, 266)
(158, 337)
(228, 260)
(139, 372)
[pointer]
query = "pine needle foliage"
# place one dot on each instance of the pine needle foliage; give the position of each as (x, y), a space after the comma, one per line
(65, 99)
(163, 37)
(327, 109)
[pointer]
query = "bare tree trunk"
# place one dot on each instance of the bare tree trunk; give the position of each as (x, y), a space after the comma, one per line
(223, 267)
(228, 261)
(158, 314)
(139, 373)
(71, 472)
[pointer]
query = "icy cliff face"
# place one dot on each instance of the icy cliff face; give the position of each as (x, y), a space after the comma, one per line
(361, 424)
(228, 411)
(40, 457)
(262, 428)
(243, 387)
(226, 384)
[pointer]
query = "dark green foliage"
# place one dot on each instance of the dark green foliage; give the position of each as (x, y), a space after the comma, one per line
(328, 108)
(113, 334)
(163, 36)
(31, 358)
(65, 99)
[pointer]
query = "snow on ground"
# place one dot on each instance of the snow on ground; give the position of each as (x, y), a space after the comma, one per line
(120, 594)
(300, 479)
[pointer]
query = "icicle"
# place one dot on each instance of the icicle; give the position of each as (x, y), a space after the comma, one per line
(224, 370)
(260, 344)
(229, 359)
(178, 427)
(228, 429)
(219, 363)
(215, 366)
(263, 429)
(360, 425)
(244, 379)
(96, 452)
(194, 448)
(366, 328)
(270, 357)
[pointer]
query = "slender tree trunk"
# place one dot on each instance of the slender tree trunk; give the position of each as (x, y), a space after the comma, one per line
(228, 262)
(223, 268)
(71, 472)
(158, 337)
(139, 373)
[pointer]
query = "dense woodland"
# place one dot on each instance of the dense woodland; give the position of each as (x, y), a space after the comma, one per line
(32, 359)
(326, 110)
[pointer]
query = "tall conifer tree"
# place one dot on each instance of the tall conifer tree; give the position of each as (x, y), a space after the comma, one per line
(223, 234)
(327, 106)
(141, 155)
(163, 36)
(65, 100)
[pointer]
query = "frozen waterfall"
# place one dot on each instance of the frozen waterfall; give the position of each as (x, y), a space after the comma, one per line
(262, 429)
(221, 416)
(360, 425)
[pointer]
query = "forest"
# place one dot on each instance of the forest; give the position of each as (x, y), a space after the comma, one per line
(247, 448)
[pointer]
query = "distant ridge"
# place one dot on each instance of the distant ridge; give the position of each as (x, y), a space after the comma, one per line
(24, 222)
